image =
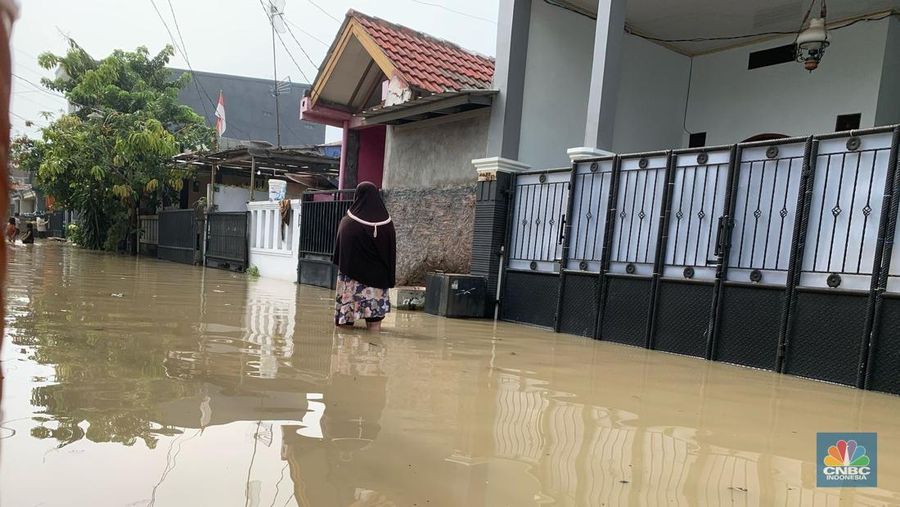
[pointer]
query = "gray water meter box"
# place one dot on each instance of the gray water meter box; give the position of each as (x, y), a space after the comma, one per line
(455, 295)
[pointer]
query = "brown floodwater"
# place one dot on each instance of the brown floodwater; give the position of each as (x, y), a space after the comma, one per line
(141, 382)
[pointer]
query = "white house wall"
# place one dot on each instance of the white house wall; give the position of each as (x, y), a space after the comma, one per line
(557, 80)
(731, 103)
(652, 93)
(889, 93)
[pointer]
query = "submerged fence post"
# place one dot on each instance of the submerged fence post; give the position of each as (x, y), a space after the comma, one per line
(563, 239)
(662, 241)
(881, 269)
(606, 250)
(722, 252)
(807, 174)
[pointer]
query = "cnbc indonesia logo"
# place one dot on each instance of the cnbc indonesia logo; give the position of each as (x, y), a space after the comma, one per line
(846, 459)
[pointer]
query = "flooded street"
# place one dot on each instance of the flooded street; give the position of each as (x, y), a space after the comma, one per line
(141, 382)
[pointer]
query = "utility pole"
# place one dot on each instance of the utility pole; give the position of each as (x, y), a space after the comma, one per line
(275, 83)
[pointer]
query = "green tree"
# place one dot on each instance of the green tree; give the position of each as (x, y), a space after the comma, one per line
(112, 155)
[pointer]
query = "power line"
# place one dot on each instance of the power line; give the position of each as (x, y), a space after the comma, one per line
(448, 9)
(317, 6)
(181, 49)
(315, 66)
(39, 87)
(286, 49)
(311, 36)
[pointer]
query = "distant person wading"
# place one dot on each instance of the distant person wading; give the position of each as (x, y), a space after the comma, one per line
(365, 252)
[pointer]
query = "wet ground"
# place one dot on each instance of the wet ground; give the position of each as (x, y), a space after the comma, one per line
(141, 382)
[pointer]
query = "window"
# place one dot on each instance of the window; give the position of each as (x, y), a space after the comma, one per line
(771, 56)
(697, 140)
(847, 122)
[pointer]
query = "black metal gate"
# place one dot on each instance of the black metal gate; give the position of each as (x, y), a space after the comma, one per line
(320, 214)
(775, 255)
(227, 240)
(178, 240)
(57, 224)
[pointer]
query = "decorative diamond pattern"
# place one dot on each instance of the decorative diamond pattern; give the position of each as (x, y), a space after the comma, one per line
(525, 221)
(552, 221)
(757, 213)
(836, 210)
(641, 215)
(622, 214)
(537, 221)
(589, 215)
(867, 210)
(783, 212)
(679, 215)
(701, 214)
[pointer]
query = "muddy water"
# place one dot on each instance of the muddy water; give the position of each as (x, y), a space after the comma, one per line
(139, 382)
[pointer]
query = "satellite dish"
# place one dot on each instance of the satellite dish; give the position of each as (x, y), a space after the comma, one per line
(276, 13)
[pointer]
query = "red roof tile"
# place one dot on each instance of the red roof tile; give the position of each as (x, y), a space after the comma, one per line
(425, 62)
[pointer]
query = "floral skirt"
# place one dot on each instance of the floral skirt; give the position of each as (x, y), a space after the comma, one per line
(356, 301)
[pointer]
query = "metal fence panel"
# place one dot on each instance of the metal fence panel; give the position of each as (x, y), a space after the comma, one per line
(149, 225)
(642, 181)
(57, 225)
(538, 215)
(320, 215)
(178, 235)
(590, 199)
(226, 239)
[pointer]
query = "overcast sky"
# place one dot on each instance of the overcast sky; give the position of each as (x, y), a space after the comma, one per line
(227, 36)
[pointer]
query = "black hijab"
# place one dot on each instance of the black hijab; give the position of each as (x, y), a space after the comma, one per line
(365, 248)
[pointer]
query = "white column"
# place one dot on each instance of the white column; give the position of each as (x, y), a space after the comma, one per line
(605, 77)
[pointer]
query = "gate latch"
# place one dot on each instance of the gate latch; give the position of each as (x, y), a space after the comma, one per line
(723, 235)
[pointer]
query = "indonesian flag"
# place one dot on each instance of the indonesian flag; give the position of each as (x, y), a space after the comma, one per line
(220, 114)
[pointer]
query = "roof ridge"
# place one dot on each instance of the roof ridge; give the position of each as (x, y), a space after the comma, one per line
(353, 13)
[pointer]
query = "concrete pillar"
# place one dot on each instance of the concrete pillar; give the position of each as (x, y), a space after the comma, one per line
(509, 77)
(605, 77)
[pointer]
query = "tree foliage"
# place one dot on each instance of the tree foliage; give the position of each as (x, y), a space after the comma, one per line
(111, 156)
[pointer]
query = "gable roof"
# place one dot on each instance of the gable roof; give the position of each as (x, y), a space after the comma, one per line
(427, 64)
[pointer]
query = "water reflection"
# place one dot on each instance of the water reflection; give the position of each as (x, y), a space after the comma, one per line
(210, 389)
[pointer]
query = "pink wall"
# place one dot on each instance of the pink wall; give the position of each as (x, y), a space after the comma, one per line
(371, 154)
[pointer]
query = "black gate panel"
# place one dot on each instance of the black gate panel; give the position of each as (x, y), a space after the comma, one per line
(626, 310)
(691, 254)
(751, 318)
(683, 317)
(826, 338)
(530, 298)
(226, 239)
(828, 323)
(177, 236)
(633, 248)
(579, 304)
(885, 366)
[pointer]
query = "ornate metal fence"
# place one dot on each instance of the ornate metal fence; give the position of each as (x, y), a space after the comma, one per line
(776, 255)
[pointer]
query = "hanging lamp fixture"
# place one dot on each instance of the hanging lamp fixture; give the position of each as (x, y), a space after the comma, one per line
(812, 40)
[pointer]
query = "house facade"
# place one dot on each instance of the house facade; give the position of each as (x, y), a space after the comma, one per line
(414, 111)
(721, 180)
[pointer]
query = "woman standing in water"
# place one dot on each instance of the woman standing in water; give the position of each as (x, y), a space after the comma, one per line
(365, 253)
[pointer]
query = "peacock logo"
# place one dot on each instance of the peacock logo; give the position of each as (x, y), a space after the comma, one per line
(847, 460)
(846, 453)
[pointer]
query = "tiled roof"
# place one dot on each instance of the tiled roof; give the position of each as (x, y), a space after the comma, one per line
(425, 62)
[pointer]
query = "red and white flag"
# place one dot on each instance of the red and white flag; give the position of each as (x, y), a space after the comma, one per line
(220, 114)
